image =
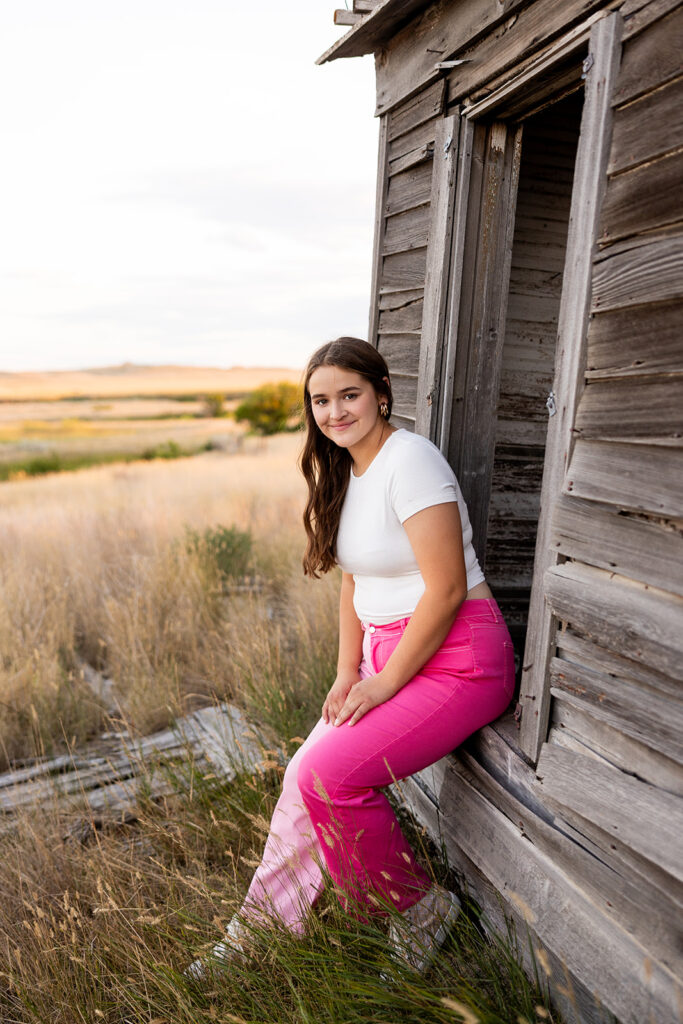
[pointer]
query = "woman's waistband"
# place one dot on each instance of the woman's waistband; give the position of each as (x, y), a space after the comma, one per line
(483, 609)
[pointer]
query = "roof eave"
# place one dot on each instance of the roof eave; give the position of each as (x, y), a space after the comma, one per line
(371, 32)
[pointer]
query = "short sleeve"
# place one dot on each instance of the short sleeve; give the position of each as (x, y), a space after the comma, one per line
(420, 478)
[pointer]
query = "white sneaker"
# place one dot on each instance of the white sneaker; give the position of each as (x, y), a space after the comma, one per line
(231, 948)
(417, 934)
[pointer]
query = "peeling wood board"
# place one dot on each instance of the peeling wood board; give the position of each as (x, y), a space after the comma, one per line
(644, 409)
(647, 128)
(410, 188)
(413, 158)
(639, 477)
(425, 106)
(640, 621)
(650, 717)
(406, 231)
(651, 58)
(406, 319)
(636, 340)
(417, 138)
(644, 199)
(602, 535)
(567, 922)
(404, 269)
(643, 818)
(596, 738)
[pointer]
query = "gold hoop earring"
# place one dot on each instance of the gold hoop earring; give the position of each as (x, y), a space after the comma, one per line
(384, 410)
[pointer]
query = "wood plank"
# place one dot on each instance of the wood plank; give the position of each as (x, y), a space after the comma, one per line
(437, 275)
(409, 61)
(644, 199)
(591, 161)
(409, 188)
(406, 231)
(404, 269)
(638, 477)
(378, 232)
(647, 409)
(648, 127)
(597, 738)
(483, 319)
(515, 39)
(644, 274)
(404, 390)
(404, 319)
(401, 351)
(397, 298)
(650, 717)
(640, 14)
(616, 346)
(651, 58)
(641, 622)
(631, 545)
(426, 105)
(344, 17)
(412, 158)
(641, 909)
(417, 137)
(582, 649)
(645, 819)
(566, 921)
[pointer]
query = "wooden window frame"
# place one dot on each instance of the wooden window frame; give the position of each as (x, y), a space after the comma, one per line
(455, 299)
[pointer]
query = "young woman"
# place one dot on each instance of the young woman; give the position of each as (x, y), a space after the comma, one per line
(425, 659)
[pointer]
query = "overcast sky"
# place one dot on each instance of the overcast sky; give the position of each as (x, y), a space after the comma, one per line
(180, 183)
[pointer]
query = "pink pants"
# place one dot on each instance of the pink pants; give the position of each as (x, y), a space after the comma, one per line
(332, 810)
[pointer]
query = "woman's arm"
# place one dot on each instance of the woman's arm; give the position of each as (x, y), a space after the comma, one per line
(435, 535)
(350, 651)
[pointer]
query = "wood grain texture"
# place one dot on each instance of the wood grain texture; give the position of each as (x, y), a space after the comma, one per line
(645, 819)
(638, 477)
(378, 232)
(648, 127)
(408, 62)
(568, 923)
(574, 726)
(632, 545)
(401, 351)
(406, 231)
(643, 199)
(422, 135)
(647, 409)
(404, 269)
(651, 58)
(635, 341)
(618, 613)
(405, 318)
(591, 162)
(409, 188)
(425, 106)
(652, 718)
(639, 15)
(642, 275)
(412, 158)
(446, 150)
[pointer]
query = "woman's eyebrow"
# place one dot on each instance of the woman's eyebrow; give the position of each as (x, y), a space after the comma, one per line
(322, 394)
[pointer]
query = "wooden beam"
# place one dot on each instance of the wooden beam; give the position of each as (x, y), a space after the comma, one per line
(589, 179)
(437, 274)
(365, 6)
(344, 17)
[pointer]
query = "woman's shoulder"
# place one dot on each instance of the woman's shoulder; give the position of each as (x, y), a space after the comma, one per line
(407, 445)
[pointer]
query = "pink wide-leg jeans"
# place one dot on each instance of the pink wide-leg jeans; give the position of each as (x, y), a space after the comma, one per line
(332, 811)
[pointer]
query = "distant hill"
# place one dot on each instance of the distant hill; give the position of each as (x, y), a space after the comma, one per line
(131, 379)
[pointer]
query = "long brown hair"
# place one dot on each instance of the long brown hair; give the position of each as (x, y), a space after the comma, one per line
(326, 466)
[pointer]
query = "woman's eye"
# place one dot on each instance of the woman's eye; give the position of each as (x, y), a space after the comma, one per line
(351, 396)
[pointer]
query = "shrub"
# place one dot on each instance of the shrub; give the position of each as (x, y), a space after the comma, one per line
(213, 405)
(225, 549)
(271, 408)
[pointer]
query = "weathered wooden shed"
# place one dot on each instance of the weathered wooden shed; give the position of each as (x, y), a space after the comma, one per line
(527, 294)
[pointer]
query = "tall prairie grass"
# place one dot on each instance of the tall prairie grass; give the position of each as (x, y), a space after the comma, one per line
(96, 567)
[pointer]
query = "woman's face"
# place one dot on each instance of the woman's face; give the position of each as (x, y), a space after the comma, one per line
(345, 405)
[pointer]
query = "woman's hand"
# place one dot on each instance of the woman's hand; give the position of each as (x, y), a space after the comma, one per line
(362, 697)
(339, 691)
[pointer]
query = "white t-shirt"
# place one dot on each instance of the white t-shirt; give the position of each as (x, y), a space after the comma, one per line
(408, 474)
